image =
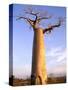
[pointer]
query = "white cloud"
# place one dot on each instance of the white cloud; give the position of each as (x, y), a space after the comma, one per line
(55, 51)
(56, 60)
(62, 57)
(58, 54)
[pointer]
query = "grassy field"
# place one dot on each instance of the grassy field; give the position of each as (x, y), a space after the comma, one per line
(50, 80)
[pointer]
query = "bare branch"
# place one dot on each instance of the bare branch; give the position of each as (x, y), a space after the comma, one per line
(29, 20)
(37, 17)
(51, 27)
(32, 13)
(44, 18)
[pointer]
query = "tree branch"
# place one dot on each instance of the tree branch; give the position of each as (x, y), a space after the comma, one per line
(28, 20)
(44, 18)
(37, 18)
(34, 23)
(32, 13)
(51, 27)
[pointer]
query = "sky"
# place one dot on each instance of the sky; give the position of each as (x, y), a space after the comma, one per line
(55, 42)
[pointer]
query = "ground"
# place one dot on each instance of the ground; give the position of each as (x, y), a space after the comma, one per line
(50, 80)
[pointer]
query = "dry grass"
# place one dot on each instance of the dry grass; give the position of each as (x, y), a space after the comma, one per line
(54, 80)
(50, 80)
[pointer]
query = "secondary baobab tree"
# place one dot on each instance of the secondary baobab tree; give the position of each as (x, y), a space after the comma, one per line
(39, 73)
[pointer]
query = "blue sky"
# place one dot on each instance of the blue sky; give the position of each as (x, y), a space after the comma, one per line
(55, 42)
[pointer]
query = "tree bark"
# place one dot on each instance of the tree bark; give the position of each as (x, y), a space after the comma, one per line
(38, 74)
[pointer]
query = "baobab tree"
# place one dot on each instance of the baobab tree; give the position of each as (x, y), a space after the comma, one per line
(38, 72)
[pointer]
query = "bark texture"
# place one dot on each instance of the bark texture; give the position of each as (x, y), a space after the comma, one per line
(39, 74)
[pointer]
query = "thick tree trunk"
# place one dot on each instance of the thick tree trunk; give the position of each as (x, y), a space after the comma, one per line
(38, 74)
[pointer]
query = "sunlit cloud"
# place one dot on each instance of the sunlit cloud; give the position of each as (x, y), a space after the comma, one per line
(56, 60)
